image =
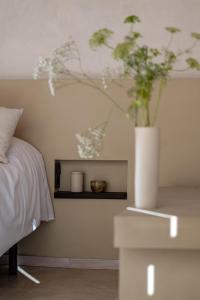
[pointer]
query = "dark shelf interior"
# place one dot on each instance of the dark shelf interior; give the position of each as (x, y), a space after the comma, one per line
(92, 169)
(90, 195)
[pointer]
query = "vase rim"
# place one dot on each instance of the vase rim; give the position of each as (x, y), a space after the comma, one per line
(146, 127)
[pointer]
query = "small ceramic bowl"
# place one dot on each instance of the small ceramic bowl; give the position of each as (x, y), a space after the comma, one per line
(98, 186)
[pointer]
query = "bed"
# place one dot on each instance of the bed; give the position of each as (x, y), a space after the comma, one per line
(24, 196)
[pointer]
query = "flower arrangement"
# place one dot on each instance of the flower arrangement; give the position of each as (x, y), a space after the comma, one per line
(147, 67)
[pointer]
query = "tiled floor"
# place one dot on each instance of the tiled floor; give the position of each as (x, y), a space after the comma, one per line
(60, 284)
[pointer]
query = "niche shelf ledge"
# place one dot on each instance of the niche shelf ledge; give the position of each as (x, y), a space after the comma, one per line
(90, 195)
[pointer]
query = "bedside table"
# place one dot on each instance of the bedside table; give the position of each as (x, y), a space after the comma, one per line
(145, 245)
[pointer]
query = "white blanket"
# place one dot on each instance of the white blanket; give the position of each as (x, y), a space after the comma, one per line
(24, 194)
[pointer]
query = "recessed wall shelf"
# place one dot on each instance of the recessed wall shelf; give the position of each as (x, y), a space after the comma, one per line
(114, 172)
(90, 195)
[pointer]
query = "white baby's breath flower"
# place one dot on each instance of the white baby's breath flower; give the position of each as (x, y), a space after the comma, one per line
(35, 73)
(55, 66)
(111, 74)
(104, 83)
(90, 143)
(51, 86)
(68, 51)
(107, 77)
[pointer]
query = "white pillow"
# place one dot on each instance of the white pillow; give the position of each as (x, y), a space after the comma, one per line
(9, 118)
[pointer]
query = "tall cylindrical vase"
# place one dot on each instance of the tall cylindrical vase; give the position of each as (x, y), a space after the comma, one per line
(146, 166)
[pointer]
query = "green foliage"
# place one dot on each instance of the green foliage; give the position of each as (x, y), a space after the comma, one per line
(137, 104)
(132, 19)
(172, 29)
(133, 36)
(145, 65)
(193, 63)
(195, 35)
(122, 50)
(100, 38)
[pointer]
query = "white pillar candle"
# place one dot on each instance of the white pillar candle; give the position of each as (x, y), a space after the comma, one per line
(76, 182)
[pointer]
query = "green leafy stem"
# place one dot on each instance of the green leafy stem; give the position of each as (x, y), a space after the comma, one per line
(145, 66)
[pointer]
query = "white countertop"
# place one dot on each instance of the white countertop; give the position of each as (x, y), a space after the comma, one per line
(136, 230)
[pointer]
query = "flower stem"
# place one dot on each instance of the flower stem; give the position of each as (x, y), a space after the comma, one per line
(93, 85)
(160, 89)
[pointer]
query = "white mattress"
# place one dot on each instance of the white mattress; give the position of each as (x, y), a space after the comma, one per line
(24, 194)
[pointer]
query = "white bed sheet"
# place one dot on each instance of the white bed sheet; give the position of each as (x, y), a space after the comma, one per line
(24, 194)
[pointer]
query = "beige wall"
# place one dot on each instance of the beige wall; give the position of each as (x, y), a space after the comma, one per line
(84, 228)
(33, 28)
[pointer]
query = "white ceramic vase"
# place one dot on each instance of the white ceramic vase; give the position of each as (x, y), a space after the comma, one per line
(146, 167)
